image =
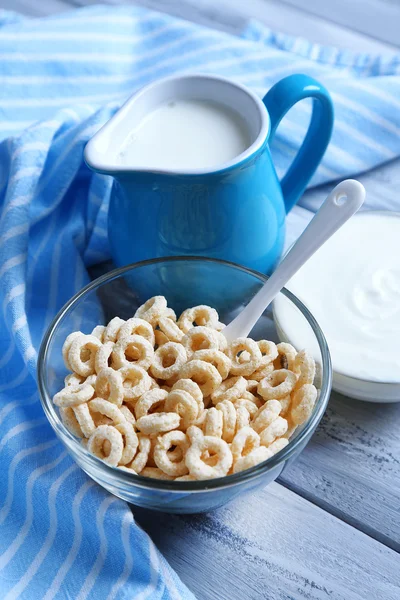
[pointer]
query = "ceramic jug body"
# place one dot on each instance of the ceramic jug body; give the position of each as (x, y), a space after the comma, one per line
(235, 212)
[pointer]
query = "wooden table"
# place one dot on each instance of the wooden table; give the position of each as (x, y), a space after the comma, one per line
(330, 526)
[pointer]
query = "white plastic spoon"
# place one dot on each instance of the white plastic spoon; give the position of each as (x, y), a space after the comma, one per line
(340, 205)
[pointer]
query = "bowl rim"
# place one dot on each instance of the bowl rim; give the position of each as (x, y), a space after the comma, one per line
(183, 486)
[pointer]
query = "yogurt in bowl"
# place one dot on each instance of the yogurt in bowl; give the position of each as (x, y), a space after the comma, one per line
(352, 286)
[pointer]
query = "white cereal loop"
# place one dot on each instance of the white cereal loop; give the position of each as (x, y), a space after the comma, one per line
(230, 389)
(242, 417)
(110, 333)
(229, 420)
(106, 433)
(184, 405)
(108, 409)
(98, 332)
(245, 441)
(302, 404)
(130, 440)
(252, 385)
(304, 367)
(202, 373)
(155, 473)
(170, 329)
(74, 379)
(109, 386)
(286, 356)
(129, 416)
(160, 338)
(67, 345)
(91, 380)
(68, 418)
(199, 445)
(285, 405)
(167, 361)
(84, 418)
(278, 445)
(169, 313)
(103, 356)
(201, 315)
(82, 353)
(266, 415)
(137, 326)
(244, 345)
(158, 422)
(277, 385)
(215, 357)
(277, 429)
(162, 457)
(152, 310)
(262, 372)
(251, 460)
(248, 405)
(214, 423)
(187, 385)
(135, 381)
(151, 399)
(200, 338)
(141, 458)
(268, 351)
(133, 349)
(73, 395)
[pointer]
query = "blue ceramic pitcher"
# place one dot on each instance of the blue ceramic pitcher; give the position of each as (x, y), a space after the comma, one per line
(235, 212)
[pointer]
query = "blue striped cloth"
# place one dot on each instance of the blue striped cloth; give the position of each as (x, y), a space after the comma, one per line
(61, 79)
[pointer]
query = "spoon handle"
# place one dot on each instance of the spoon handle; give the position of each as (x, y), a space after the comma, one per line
(344, 200)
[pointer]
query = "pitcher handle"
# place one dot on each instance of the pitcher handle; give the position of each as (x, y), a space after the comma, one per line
(280, 98)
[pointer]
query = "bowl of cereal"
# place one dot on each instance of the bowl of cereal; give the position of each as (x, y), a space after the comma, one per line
(138, 382)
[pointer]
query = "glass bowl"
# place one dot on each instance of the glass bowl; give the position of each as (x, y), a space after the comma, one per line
(185, 281)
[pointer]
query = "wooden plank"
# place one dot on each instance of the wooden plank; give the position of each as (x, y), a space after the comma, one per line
(273, 545)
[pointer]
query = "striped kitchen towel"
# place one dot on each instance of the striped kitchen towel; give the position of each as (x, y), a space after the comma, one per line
(62, 77)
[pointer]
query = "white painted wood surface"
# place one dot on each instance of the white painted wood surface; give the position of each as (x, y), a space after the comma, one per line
(335, 532)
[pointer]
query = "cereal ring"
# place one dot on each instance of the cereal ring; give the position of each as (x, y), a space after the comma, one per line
(158, 422)
(72, 395)
(131, 442)
(109, 386)
(230, 389)
(278, 445)
(155, 473)
(107, 409)
(151, 399)
(266, 415)
(219, 326)
(133, 349)
(240, 345)
(254, 399)
(136, 326)
(202, 373)
(286, 356)
(248, 405)
(135, 381)
(152, 310)
(74, 379)
(84, 418)
(98, 332)
(113, 437)
(82, 353)
(168, 359)
(229, 420)
(244, 357)
(103, 356)
(170, 330)
(170, 314)
(262, 372)
(187, 385)
(245, 441)
(91, 380)
(285, 405)
(251, 385)
(242, 417)
(112, 329)
(303, 403)
(67, 345)
(184, 405)
(277, 385)
(160, 338)
(200, 338)
(70, 421)
(268, 350)
(201, 315)
(127, 414)
(255, 457)
(161, 456)
(277, 429)
(216, 358)
(214, 423)
(141, 458)
(304, 367)
(199, 445)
